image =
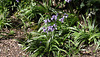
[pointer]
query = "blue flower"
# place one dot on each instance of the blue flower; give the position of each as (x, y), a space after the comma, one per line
(44, 30)
(48, 20)
(49, 28)
(53, 17)
(52, 29)
(59, 19)
(17, 0)
(62, 20)
(45, 21)
(54, 25)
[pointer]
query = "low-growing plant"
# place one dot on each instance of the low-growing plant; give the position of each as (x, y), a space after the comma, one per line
(49, 40)
(86, 35)
(59, 34)
(3, 22)
(10, 6)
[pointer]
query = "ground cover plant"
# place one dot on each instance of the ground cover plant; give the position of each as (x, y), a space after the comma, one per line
(52, 28)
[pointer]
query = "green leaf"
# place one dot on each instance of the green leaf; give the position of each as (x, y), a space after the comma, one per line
(56, 41)
(47, 45)
(67, 36)
(94, 35)
(37, 52)
(38, 37)
(41, 5)
(72, 28)
(59, 48)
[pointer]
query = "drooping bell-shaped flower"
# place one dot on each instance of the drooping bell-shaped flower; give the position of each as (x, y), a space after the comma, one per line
(17, 0)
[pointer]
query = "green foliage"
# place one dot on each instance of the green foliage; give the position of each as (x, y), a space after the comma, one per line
(73, 25)
(86, 35)
(9, 6)
(53, 43)
(3, 22)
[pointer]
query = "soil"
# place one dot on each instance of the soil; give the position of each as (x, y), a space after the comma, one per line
(10, 47)
(90, 52)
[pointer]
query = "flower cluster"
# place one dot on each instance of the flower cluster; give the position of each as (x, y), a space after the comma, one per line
(50, 28)
(62, 19)
(47, 20)
(67, 1)
(55, 19)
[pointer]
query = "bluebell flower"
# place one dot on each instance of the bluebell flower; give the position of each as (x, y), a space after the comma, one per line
(67, 1)
(54, 25)
(59, 19)
(47, 32)
(62, 20)
(56, 16)
(17, 0)
(44, 30)
(48, 20)
(53, 17)
(52, 29)
(49, 28)
(45, 21)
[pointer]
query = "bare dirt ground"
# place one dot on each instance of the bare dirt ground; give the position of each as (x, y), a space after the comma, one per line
(9, 46)
(90, 52)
